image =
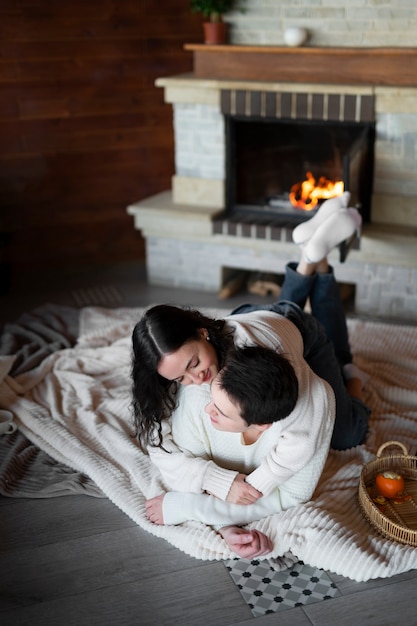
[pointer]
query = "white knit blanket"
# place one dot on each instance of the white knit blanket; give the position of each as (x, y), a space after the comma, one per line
(76, 407)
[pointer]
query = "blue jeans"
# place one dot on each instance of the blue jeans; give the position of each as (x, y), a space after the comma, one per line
(326, 344)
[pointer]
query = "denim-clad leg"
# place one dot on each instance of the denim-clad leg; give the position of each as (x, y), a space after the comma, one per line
(326, 305)
(326, 344)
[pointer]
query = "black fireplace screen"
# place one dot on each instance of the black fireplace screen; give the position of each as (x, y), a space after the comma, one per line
(265, 158)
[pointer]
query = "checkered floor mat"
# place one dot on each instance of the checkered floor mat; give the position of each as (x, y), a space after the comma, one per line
(267, 591)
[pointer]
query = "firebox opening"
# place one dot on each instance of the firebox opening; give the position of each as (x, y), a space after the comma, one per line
(264, 287)
(265, 158)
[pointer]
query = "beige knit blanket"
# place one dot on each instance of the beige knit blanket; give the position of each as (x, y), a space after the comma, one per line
(76, 407)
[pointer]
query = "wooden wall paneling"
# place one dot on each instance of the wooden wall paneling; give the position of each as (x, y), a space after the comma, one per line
(83, 130)
(45, 102)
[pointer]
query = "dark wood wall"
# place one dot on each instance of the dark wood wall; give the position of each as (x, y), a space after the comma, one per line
(84, 131)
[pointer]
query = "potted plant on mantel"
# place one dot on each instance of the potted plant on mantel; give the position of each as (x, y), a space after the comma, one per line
(215, 30)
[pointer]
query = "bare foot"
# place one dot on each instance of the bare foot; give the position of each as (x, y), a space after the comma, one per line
(354, 388)
(154, 510)
(246, 543)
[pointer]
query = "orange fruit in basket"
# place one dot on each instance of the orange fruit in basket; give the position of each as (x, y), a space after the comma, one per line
(389, 484)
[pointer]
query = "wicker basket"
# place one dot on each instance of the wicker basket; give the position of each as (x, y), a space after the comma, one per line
(394, 520)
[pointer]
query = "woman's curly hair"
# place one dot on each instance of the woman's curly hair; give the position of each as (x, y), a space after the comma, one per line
(163, 329)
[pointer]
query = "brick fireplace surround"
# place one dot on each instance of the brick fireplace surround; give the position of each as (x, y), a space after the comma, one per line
(186, 246)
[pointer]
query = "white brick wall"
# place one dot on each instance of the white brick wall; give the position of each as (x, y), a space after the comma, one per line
(381, 291)
(199, 141)
(396, 154)
(358, 23)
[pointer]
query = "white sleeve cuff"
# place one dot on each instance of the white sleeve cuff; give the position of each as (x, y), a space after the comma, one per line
(217, 481)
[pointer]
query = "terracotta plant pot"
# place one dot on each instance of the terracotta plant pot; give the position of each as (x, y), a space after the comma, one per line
(215, 33)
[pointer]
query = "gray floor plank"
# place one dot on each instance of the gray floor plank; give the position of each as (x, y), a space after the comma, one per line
(201, 596)
(391, 604)
(347, 586)
(291, 617)
(95, 562)
(31, 523)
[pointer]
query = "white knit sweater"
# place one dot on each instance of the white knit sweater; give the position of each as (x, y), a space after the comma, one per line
(289, 455)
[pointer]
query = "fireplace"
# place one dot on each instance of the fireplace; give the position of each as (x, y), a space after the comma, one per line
(276, 141)
(265, 159)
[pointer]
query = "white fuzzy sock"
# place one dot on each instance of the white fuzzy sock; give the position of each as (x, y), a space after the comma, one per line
(340, 225)
(303, 232)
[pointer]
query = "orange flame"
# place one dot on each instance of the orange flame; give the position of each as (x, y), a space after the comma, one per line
(306, 194)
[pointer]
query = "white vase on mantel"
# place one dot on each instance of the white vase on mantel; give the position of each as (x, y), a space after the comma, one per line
(295, 36)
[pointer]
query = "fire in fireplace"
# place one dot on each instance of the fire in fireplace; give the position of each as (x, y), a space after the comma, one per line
(309, 193)
(288, 168)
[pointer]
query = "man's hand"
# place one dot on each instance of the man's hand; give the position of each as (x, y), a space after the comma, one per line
(247, 544)
(154, 510)
(241, 492)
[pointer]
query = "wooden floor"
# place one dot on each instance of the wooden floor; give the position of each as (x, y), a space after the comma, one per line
(79, 560)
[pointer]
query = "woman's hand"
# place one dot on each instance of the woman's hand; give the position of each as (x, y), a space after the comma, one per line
(242, 492)
(247, 544)
(154, 510)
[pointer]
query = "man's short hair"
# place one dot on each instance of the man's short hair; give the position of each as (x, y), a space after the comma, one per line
(261, 382)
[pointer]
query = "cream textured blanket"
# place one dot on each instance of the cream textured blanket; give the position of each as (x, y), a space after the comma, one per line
(76, 407)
